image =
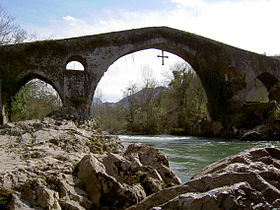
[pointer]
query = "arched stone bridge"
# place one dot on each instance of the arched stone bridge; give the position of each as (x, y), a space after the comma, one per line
(227, 73)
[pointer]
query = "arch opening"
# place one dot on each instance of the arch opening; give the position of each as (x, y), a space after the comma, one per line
(33, 98)
(140, 95)
(76, 63)
(75, 66)
(258, 93)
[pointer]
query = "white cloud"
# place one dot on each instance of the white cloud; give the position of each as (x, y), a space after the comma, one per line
(70, 18)
(190, 3)
(103, 22)
(247, 24)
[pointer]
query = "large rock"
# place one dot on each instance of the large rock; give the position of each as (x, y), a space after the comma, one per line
(265, 132)
(249, 180)
(117, 182)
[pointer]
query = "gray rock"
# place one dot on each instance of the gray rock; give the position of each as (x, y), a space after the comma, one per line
(154, 159)
(70, 205)
(105, 190)
(36, 193)
(249, 180)
(117, 181)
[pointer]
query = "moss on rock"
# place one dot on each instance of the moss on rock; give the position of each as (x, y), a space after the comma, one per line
(6, 197)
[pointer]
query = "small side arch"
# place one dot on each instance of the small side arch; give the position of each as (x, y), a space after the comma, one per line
(76, 60)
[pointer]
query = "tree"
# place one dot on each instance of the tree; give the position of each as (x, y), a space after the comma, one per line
(110, 118)
(143, 113)
(185, 99)
(10, 32)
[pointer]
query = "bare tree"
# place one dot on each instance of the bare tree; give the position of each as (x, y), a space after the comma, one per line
(148, 79)
(10, 32)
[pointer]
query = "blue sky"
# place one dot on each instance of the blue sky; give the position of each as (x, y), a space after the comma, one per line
(248, 24)
(43, 11)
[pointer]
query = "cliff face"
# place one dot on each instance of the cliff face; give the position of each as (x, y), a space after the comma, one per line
(59, 164)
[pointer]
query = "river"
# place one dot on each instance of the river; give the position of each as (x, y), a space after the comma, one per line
(188, 155)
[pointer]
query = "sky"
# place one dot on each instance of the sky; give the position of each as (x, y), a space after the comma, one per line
(248, 24)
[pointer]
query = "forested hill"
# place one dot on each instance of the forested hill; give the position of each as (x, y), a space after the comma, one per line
(152, 93)
(124, 102)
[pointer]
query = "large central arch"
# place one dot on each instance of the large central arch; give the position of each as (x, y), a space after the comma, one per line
(212, 77)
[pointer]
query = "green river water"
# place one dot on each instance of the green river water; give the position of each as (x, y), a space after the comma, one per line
(189, 155)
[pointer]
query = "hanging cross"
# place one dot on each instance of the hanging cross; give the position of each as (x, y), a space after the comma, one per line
(162, 56)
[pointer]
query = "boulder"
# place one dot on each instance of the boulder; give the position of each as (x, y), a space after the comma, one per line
(249, 180)
(37, 194)
(119, 181)
(265, 132)
(154, 159)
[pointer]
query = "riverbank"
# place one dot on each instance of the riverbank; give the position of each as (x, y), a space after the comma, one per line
(253, 121)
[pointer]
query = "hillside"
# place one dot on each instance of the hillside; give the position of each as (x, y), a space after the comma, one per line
(143, 94)
(140, 95)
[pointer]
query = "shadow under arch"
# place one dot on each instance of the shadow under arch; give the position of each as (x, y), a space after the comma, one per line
(268, 80)
(272, 84)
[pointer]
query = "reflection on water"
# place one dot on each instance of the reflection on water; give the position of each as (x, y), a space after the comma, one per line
(188, 155)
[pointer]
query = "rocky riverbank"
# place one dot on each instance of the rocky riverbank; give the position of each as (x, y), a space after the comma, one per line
(59, 164)
(249, 180)
(252, 122)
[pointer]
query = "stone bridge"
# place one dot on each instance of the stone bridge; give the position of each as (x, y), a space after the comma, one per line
(227, 73)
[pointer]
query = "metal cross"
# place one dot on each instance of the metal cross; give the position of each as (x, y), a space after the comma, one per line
(162, 56)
